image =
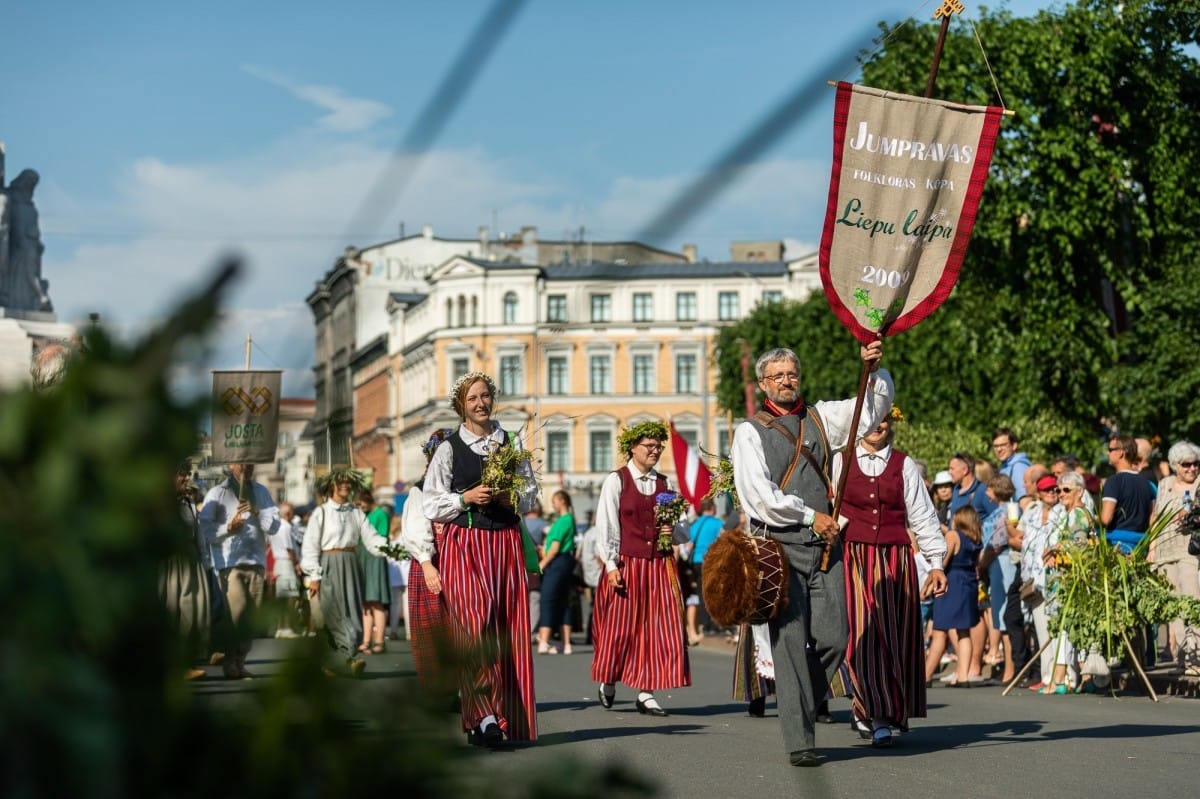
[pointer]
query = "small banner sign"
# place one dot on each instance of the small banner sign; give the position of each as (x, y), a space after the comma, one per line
(908, 173)
(245, 416)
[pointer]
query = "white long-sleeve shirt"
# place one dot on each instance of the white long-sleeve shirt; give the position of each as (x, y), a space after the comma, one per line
(247, 546)
(416, 531)
(334, 526)
(756, 487)
(921, 514)
(440, 503)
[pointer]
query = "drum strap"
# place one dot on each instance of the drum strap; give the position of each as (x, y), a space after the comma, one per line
(772, 423)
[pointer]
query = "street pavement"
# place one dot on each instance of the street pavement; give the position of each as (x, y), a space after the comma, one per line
(974, 743)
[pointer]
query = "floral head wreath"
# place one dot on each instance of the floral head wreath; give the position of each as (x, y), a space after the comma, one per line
(341, 474)
(630, 436)
(895, 415)
(435, 440)
(466, 380)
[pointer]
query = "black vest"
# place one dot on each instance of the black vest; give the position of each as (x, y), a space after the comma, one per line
(465, 474)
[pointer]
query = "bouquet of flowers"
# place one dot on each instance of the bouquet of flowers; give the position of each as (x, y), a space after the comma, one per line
(669, 508)
(721, 481)
(394, 550)
(501, 470)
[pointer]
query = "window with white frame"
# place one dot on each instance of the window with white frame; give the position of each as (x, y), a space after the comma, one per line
(643, 307)
(685, 306)
(770, 296)
(510, 308)
(601, 307)
(600, 451)
(685, 373)
(723, 442)
(459, 367)
(558, 451)
(556, 308)
(600, 374)
(556, 374)
(511, 377)
(727, 306)
(643, 374)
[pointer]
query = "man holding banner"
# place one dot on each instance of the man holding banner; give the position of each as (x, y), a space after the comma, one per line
(238, 513)
(237, 516)
(780, 462)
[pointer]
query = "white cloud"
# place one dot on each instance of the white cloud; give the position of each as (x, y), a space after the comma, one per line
(288, 212)
(346, 114)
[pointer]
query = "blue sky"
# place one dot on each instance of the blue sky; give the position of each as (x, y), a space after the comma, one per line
(169, 133)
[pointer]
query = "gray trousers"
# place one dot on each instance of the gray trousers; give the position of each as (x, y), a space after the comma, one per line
(808, 640)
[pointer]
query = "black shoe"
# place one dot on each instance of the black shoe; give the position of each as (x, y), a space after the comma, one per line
(881, 738)
(606, 701)
(474, 738)
(758, 707)
(823, 715)
(492, 736)
(805, 758)
(646, 710)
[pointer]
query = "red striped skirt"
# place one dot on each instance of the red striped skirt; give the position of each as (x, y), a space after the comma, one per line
(885, 654)
(639, 632)
(428, 627)
(486, 592)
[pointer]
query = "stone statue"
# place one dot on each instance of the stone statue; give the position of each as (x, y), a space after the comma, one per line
(23, 286)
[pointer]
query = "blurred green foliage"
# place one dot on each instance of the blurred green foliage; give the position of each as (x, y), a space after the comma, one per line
(92, 701)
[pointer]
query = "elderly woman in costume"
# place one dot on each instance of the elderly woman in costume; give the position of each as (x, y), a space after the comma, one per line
(329, 558)
(182, 579)
(426, 615)
(639, 615)
(476, 486)
(884, 498)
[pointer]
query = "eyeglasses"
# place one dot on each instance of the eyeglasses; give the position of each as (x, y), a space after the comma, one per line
(1113, 449)
(1001, 444)
(652, 447)
(1061, 490)
(790, 377)
(1189, 465)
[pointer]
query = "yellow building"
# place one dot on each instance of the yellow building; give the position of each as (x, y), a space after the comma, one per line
(578, 351)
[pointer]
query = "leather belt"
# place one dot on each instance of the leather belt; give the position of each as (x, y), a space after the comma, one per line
(341, 549)
(791, 528)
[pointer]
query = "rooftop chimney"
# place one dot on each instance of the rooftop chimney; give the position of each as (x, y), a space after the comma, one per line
(689, 253)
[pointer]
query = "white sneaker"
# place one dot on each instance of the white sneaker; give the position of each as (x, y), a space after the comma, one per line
(286, 633)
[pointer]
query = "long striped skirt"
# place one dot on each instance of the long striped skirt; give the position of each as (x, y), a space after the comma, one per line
(429, 630)
(487, 597)
(639, 631)
(885, 653)
(748, 683)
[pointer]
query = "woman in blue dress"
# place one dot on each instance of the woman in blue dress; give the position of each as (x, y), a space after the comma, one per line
(958, 608)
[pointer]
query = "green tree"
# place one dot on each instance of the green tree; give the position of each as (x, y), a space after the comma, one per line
(1075, 298)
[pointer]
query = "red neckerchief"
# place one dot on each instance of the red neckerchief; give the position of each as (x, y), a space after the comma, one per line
(775, 410)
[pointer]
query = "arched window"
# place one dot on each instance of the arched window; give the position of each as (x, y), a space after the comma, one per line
(462, 311)
(449, 312)
(510, 308)
(474, 310)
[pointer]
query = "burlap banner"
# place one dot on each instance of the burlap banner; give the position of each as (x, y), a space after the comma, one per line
(245, 416)
(907, 176)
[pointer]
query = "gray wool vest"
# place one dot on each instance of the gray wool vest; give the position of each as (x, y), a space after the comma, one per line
(805, 482)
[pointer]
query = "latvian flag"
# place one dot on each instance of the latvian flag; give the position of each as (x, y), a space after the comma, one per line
(693, 476)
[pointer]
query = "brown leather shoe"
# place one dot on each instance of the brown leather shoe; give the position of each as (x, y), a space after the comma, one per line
(357, 667)
(194, 674)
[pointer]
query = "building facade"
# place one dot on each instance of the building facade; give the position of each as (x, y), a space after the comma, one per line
(357, 396)
(578, 351)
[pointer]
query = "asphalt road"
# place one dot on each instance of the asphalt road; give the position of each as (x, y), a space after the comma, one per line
(975, 742)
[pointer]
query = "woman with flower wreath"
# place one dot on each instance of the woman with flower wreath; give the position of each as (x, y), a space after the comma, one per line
(639, 621)
(426, 614)
(482, 564)
(329, 559)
